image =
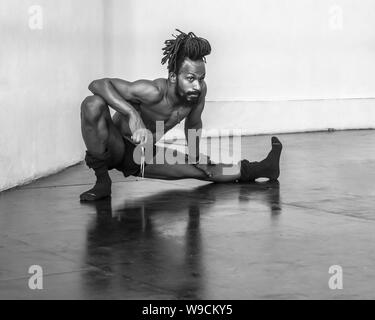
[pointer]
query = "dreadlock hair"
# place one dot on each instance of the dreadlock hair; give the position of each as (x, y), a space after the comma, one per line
(182, 47)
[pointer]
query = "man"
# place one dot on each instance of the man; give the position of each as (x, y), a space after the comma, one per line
(110, 141)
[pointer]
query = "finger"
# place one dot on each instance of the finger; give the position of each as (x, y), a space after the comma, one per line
(136, 138)
(204, 169)
(208, 173)
(144, 139)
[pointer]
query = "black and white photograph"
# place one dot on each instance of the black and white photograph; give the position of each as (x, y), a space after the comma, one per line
(187, 154)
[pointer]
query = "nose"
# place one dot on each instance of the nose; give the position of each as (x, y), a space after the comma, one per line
(197, 86)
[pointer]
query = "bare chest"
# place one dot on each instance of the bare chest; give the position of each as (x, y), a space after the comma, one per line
(163, 112)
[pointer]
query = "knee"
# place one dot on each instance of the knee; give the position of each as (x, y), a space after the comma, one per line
(92, 108)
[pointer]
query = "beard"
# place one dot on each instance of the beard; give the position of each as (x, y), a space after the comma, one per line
(186, 98)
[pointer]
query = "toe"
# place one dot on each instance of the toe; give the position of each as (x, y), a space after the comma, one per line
(275, 140)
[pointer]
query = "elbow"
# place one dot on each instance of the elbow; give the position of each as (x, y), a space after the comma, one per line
(98, 85)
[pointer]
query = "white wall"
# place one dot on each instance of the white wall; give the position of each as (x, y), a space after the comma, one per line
(44, 75)
(290, 65)
(276, 66)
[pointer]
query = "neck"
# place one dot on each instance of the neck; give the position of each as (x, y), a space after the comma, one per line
(170, 94)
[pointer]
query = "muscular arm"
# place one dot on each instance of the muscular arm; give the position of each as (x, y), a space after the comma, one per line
(120, 93)
(194, 121)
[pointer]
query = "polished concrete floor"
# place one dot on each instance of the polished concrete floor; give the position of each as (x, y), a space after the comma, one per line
(188, 239)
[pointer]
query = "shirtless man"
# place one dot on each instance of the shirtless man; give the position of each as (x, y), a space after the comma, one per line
(140, 104)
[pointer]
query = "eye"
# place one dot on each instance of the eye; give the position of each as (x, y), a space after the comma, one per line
(190, 79)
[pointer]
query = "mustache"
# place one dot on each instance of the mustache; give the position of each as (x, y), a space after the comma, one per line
(194, 93)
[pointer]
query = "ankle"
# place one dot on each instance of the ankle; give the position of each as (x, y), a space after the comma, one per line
(102, 176)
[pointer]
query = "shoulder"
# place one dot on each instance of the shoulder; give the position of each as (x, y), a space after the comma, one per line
(140, 90)
(149, 91)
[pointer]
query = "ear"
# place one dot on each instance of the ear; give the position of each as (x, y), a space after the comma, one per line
(172, 77)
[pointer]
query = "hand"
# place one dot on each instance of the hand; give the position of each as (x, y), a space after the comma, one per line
(205, 169)
(211, 170)
(205, 164)
(203, 159)
(138, 129)
(140, 136)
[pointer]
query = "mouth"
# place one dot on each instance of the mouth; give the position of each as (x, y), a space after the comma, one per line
(193, 95)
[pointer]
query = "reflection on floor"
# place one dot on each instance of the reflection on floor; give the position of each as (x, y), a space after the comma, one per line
(191, 240)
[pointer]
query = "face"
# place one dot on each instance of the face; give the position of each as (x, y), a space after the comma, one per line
(189, 81)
